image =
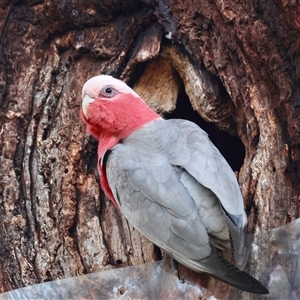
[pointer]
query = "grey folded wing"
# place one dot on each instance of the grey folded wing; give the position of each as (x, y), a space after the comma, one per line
(154, 201)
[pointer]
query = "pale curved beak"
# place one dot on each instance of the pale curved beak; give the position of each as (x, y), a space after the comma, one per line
(85, 105)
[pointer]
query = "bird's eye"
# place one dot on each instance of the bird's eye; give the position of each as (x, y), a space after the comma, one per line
(107, 92)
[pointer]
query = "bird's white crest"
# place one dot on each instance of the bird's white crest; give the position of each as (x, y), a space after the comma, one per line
(93, 86)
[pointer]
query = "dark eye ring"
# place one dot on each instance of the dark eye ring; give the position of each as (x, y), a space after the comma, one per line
(108, 90)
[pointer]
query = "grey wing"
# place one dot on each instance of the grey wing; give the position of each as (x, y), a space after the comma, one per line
(189, 147)
(206, 175)
(206, 164)
(154, 201)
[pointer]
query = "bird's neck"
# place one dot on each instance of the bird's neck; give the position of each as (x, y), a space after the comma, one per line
(111, 121)
(130, 113)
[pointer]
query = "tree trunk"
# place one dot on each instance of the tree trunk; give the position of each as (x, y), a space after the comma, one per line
(236, 63)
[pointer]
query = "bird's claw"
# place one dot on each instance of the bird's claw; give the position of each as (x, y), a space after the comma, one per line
(174, 265)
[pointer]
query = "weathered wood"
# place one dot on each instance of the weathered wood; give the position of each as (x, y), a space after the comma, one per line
(238, 63)
(154, 280)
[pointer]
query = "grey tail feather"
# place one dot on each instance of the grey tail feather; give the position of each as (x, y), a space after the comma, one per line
(223, 270)
(240, 279)
(238, 240)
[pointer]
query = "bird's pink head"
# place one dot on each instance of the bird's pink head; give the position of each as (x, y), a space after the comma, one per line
(112, 110)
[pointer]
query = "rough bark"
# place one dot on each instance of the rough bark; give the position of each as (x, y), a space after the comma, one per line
(235, 62)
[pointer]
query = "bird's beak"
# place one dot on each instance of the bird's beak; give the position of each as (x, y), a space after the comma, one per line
(85, 105)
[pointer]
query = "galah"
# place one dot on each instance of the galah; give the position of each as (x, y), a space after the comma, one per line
(169, 180)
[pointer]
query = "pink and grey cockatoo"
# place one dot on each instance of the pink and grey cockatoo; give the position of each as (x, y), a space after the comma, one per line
(169, 180)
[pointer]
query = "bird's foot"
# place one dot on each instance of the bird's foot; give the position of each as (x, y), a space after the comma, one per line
(174, 265)
(168, 259)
